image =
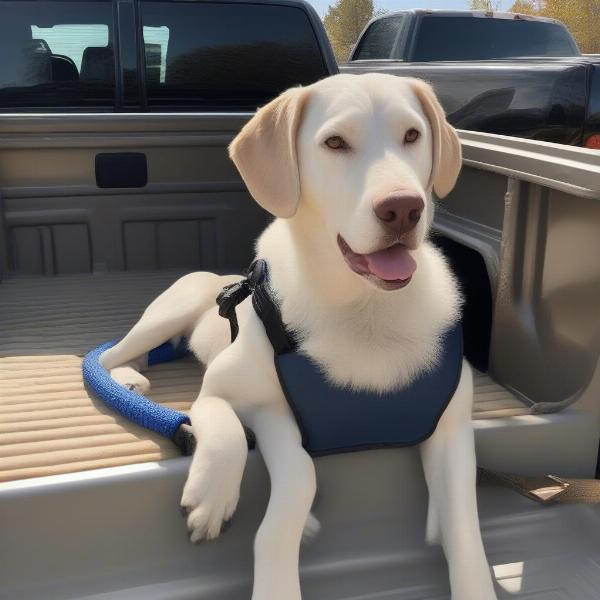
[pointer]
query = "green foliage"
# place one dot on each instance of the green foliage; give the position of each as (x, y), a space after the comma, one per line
(344, 22)
(582, 17)
(525, 7)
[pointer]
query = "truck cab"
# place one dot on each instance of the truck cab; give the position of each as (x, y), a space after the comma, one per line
(431, 35)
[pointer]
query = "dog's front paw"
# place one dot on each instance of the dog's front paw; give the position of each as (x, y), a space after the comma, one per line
(212, 490)
(130, 379)
(209, 500)
(472, 582)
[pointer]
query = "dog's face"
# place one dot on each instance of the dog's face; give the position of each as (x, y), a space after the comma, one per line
(362, 152)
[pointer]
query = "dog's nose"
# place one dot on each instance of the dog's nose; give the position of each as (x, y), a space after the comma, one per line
(399, 212)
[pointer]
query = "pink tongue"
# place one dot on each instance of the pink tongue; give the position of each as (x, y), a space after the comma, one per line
(391, 263)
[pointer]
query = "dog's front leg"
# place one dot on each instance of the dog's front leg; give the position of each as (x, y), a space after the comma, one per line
(212, 488)
(293, 487)
(450, 471)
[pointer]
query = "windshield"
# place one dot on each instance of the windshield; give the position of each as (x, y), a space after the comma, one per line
(484, 38)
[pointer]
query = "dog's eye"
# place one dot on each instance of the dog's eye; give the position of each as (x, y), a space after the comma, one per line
(412, 135)
(337, 142)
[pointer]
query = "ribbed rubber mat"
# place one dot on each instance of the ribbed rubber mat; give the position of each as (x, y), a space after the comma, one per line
(492, 401)
(49, 424)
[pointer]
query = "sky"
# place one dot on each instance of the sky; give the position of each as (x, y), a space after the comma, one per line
(321, 5)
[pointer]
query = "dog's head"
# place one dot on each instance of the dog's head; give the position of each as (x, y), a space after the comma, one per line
(363, 152)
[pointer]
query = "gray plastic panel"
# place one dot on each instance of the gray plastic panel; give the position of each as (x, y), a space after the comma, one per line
(194, 213)
(487, 210)
(117, 534)
(548, 299)
(542, 259)
(56, 249)
(3, 243)
(186, 244)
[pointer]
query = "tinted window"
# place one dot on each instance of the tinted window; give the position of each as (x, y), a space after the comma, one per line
(378, 40)
(56, 54)
(483, 38)
(226, 56)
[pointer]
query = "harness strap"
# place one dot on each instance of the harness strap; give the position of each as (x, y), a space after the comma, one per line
(229, 297)
(256, 283)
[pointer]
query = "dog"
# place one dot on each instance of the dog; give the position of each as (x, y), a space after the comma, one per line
(347, 166)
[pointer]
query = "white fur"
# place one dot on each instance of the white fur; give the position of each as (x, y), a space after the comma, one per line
(362, 336)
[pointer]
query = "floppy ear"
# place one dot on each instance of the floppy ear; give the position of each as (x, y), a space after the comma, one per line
(265, 153)
(447, 155)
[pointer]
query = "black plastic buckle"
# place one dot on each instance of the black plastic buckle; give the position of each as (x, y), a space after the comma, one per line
(184, 439)
(186, 442)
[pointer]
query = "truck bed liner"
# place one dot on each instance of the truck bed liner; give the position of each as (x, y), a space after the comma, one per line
(50, 424)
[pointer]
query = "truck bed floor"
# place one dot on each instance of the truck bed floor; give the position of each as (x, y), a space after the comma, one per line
(50, 424)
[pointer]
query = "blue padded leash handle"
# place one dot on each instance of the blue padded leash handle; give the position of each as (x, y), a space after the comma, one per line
(136, 407)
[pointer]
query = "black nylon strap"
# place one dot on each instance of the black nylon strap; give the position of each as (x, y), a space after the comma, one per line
(186, 442)
(267, 309)
(230, 296)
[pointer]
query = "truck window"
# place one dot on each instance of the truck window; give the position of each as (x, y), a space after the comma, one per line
(156, 41)
(484, 38)
(213, 56)
(378, 41)
(57, 55)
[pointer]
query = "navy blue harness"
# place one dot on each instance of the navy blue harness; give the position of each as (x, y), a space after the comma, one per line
(335, 419)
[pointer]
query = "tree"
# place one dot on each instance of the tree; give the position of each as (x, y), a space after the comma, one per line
(344, 22)
(489, 5)
(525, 7)
(582, 17)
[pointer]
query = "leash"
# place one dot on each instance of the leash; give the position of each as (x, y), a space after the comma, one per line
(136, 407)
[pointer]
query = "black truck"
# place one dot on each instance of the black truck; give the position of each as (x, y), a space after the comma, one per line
(502, 73)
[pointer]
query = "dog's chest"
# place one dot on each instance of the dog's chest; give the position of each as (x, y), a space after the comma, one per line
(365, 350)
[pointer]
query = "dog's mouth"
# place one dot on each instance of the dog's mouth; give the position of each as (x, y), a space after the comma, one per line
(390, 268)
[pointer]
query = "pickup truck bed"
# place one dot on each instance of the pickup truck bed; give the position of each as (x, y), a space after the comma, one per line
(78, 264)
(50, 423)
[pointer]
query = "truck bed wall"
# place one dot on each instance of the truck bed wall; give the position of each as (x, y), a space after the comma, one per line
(529, 209)
(194, 213)
(532, 211)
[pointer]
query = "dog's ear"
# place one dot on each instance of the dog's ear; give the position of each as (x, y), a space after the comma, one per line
(265, 153)
(447, 155)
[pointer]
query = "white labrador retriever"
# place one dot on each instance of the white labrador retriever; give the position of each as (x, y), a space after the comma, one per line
(348, 166)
